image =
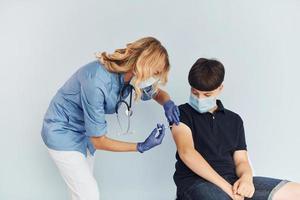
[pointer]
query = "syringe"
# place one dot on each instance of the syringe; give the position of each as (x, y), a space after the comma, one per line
(170, 126)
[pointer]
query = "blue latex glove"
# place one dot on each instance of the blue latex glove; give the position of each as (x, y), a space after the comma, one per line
(172, 112)
(152, 139)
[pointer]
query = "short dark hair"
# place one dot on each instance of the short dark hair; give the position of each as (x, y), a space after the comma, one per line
(206, 74)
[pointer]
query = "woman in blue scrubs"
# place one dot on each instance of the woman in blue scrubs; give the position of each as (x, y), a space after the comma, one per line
(74, 125)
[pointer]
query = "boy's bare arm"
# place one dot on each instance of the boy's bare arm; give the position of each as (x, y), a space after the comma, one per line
(243, 168)
(244, 185)
(194, 160)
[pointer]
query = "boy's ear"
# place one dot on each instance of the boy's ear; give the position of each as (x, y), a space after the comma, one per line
(221, 88)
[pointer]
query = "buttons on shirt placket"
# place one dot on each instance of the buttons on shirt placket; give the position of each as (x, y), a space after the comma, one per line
(214, 130)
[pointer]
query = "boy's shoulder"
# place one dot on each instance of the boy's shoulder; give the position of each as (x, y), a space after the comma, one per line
(183, 106)
(186, 108)
(232, 114)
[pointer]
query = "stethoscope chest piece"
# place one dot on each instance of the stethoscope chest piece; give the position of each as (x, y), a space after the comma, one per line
(129, 112)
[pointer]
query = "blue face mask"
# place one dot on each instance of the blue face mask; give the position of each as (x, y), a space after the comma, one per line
(148, 93)
(202, 105)
(147, 87)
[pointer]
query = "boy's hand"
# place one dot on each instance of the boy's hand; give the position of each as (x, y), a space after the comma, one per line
(238, 197)
(229, 191)
(244, 187)
(235, 196)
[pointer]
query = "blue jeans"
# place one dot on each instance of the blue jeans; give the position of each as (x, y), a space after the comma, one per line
(265, 188)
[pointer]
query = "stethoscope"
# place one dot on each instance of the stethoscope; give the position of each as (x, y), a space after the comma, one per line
(128, 111)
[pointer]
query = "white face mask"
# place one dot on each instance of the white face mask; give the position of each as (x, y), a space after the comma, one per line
(145, 83)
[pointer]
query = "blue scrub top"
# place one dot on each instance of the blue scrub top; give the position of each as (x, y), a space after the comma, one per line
(77, 111)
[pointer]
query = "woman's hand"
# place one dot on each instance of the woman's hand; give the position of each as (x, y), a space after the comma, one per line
(152, 139)
(172, 112)
(244, 187)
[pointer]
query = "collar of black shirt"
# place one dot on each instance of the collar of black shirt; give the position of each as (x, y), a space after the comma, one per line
(220, 107)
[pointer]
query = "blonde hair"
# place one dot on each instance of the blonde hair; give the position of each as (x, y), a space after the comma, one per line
(140, 56)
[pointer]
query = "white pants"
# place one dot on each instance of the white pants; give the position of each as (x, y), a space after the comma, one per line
(77, 172)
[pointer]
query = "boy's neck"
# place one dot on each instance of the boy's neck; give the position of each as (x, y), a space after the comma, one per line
(213, 109)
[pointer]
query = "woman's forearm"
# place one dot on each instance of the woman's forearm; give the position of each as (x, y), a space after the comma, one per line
(161, 97)
(201, 167)
(105, 143)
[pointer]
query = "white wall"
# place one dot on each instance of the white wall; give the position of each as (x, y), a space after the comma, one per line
(43, 42)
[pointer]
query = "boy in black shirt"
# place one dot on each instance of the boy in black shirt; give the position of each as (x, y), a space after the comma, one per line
(212, 161)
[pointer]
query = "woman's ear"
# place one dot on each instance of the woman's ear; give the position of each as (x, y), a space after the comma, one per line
(133, 71)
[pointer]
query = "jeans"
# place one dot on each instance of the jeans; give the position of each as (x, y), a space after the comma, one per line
(265, 188)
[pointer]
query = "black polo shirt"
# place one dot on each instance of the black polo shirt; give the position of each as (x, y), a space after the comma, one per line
(216, 136)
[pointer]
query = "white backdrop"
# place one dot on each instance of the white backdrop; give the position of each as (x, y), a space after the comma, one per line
(43, 42)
